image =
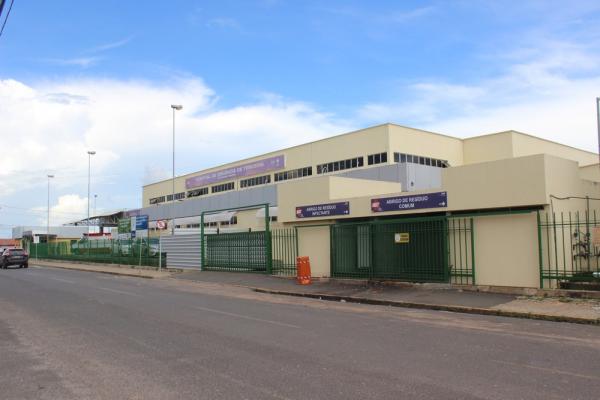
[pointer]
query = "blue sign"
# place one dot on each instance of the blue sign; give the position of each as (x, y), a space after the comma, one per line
(411, 202)
(141, 222)
(323, 210)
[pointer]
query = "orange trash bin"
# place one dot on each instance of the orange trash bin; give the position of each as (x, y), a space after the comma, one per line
(303, 271)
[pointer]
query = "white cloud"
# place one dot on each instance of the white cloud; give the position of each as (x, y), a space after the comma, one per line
(548, 91)
(69, 208)
(224, 23)
(52, 124)
(111, 45)
(83, 62)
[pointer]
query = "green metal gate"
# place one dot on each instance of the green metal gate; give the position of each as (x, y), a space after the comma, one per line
(271, 251)
(432, 249)
(239, 251)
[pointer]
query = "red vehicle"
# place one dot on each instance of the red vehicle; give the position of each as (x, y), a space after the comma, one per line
(14, 256)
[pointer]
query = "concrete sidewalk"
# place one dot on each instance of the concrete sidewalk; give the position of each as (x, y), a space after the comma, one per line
(113, 269)
(436, 297)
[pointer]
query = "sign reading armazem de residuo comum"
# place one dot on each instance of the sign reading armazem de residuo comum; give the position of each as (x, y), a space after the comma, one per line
(253, 168)
(410, 202)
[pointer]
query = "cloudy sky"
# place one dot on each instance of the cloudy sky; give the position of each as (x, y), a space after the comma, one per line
(255, 76)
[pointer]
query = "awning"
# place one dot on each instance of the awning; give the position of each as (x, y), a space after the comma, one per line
(219, 217)
(208, 218)
(261, 212)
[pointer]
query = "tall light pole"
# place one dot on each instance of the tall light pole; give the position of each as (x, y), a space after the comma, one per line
(95, 200)
(598, 121)
(175, 107)
(90, 154)
(48, 219)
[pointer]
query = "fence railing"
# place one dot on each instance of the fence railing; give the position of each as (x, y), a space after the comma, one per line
(284, 243)
(249, 252)
(461, 251)
(142, 252)
(569, 247)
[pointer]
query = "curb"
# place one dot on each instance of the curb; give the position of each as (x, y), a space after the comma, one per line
(96, 271)
(436, 307)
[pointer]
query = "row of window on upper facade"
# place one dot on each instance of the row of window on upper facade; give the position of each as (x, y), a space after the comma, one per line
(341, 165)
(411, 158)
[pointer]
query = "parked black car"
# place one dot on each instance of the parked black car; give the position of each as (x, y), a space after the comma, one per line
(14, 256)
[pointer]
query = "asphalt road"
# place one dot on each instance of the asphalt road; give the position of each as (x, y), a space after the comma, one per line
(80, 335)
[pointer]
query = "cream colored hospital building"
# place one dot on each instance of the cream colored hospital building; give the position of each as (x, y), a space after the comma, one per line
(392, 202)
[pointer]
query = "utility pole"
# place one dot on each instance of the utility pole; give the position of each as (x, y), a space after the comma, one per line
(174, 107)
(48, 218)
(90, 154)
(598, 122)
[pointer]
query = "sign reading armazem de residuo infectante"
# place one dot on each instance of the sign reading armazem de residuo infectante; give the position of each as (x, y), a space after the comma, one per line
(410, 202)
(323, 210)
(253, 168)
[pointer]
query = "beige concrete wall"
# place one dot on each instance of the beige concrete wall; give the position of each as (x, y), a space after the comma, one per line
(353, 144)
(513, 182)
(506, 250)
(563, 180)
(314, 242)
(495, 184)
(488, 148)
(525, 145)
(415, 141)
(590, 172)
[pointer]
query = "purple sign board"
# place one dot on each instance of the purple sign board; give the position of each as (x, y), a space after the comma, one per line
(323, 210)
(411, 202)
(253, 168)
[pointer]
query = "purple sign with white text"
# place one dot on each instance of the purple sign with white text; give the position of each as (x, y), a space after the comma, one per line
(323, 210)
(253, 168)
(411, 202)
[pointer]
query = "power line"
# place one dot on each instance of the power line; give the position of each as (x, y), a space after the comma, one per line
(7, 14)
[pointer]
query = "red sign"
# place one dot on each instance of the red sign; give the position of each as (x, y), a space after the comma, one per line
(161, 224)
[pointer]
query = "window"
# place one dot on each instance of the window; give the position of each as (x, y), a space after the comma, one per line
(410, 158)
(197, 192)
(378, 158)
(178, 196)
(340, 165)
(157, 200)
(222, 187)
(258, 180)
(293, 174)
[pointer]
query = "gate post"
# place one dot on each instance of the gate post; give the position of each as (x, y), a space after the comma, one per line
(472, 252)
(446, 245)
(202, 247)
(269, 250)
(539, 231)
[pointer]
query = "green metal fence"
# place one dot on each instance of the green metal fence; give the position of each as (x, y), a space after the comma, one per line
(569, 247)
(142, 252)
(431, 249)
(284, 252)
(239, 251)
(249, 252)
(461, 251)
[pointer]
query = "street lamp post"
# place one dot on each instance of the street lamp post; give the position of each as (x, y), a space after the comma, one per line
(90, 154)
(48, 218)
(175, 107)
(598, 121)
